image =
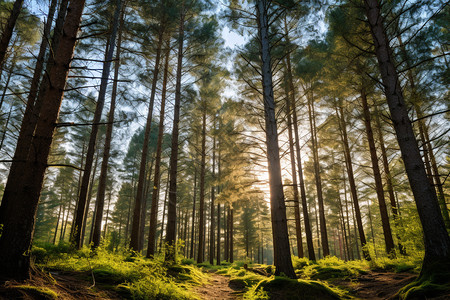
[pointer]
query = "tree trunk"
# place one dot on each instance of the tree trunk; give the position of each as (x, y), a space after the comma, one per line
(172, 206)
(292, 95)
(389, 242)
(438, 183)
(8, 31)
(201, 210)
(218, 236)
(212, 225)
(226, 250)
(135, 232)
(77, 236)
(5, 127)
(230, 238)
(163, 215)
(388, 177)
(191, 255)
(88, 203)
(157, 176)
(8, 79)
(100, 203)
(436, 238)
(57, 221)
(314, 146)
(351, 179)
(430, 160)
(30, 118)
(298, 226)
(280, 235)
(23, 198)
(41, 56)
(105, 228)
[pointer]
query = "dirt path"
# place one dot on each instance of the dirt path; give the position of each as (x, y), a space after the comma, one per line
(219, 288)
(377, 285)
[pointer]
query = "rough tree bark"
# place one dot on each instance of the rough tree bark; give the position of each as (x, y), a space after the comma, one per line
(191, 255)
(135, 232)
(436, 238)
(8, 31)
(282, 255)
(201, 209)
(100, 202)
(172, 205)
(388, 178)
(351, 179)
(31, 116)
(298, 225)
(212, 225)
(388, 240)
(20, 215)
(157, 176)
(314, 146)
(79, 218)
(307, 222)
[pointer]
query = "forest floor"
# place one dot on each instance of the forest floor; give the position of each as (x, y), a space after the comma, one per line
(375, 285)
(74, 285)
(219, 287)
(110, 275)
(61, 285)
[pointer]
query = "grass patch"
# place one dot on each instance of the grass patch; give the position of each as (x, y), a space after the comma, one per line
(398, 265)
(284, 288)
(132, 276)
(239, 277)
(329, 267)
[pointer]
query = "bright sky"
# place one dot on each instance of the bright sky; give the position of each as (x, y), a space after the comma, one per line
(232, 39)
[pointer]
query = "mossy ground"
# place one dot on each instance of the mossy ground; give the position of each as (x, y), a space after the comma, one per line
(433, 281)
(128, 275)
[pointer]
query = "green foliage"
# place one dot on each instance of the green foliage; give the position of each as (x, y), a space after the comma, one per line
(239, 276)
(285, 288)
(300, 262)
(187, 261)
(132, 276)
(402, 264)
(329, 267)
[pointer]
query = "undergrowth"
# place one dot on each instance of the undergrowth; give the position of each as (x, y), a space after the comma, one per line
(277, 287)
(129, 274)
(333, 267)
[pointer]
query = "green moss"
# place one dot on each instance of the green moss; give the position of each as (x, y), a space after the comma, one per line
(39, 254)
(38, 292)
(285, 288)
(401, 264)
(433, 281)
(300, 262)
(187, 261)
(132, 276)
(329, 267)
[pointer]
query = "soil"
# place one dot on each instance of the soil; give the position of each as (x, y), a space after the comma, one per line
(220, 288)
(75, 285)
(376, 285)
